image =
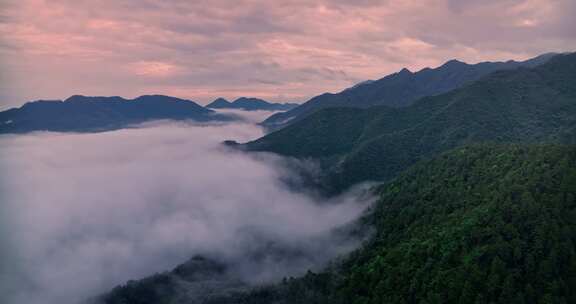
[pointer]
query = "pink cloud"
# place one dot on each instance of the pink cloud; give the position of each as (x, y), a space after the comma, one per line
(154, 69)
(289, 49)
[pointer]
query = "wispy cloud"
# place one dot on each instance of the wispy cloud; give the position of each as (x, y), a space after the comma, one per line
(155, 69)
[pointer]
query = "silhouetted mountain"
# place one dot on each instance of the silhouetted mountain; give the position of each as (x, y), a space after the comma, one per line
(400, 89)
(250, 104)
(220, 103)
(353, 144)
(86, 114)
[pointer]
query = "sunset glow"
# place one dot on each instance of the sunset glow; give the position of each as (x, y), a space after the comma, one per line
(286, 50)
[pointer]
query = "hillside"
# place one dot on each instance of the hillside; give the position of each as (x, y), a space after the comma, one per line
(400, 89)
(250, 104)
(195, 281)
(353, 145)
(478, 224)
(85, 114)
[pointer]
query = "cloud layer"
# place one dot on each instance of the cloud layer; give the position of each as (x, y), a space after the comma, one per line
(84, 212)
(282, 50)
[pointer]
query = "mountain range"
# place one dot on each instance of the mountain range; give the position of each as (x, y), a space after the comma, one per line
(476, 195)
(400, 89)
(477, 201)
(523, 105)
(250, 104)
(88, 114)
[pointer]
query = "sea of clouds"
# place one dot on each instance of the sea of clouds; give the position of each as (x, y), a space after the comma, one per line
(81, 213)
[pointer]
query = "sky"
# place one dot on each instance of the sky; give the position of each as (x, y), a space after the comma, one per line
(160, 194)
(281, 50)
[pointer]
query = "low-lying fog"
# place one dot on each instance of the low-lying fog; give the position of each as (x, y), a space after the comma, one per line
(82, 213)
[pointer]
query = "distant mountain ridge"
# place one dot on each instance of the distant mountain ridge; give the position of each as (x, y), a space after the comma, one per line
(353, 144)
(87, 114)
(250, 104)
(400, 89)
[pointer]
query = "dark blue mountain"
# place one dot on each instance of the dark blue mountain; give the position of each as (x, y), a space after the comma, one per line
(220, 103)
(88, 114)
(250, 104)
(400, 89)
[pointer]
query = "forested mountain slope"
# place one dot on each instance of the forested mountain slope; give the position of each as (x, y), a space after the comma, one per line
(400, 89)
(477, 205)
(479, 224)
(522, 105)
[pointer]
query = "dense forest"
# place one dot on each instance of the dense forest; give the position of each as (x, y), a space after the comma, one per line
(480, 224)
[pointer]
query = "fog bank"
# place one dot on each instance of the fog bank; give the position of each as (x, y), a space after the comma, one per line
(82, 213)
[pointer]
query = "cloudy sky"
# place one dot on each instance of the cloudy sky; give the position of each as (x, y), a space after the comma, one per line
(281, 50)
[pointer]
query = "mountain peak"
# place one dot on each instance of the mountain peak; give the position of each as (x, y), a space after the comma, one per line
(454, 62)
(219, 103)
(75, 98)
(220, 99)
(404, 71)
